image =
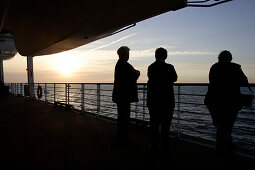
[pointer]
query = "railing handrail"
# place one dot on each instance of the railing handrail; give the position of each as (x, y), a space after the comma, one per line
(175, 84)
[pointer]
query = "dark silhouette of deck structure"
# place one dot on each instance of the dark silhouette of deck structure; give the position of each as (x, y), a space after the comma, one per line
(39, 136)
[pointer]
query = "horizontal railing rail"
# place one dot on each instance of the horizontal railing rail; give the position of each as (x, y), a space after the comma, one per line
(191, 116)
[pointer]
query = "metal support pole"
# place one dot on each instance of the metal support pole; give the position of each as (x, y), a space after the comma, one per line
(82, 98)
(98, 98)
(30, 76)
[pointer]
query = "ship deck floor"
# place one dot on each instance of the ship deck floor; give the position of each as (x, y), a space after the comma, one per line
(35, 135)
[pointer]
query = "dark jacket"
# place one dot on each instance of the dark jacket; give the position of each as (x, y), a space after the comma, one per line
(225, 80)
(125, 86)
(161, 77)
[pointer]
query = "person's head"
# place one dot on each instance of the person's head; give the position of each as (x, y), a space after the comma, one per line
(161, 54)
(123, 53)
(225, 57)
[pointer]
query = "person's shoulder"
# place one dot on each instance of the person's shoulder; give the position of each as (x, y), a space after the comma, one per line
(169, 65)
(119, 62)
(123, 63)
(215, 65)
(152, 65)
(236, 65)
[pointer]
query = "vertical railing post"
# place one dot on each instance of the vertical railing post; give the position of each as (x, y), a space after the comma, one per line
(178, 111)
(20, 92)
(144, 101)
(136, 111)
(82, 98)
(136, 106)
(16, 88)
(45, 92)
(21, 89)
(14, 92)
(66, 93)
(98, 99)
(38, 84)
(54, 92)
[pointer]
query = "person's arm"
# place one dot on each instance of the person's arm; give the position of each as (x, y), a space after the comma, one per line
(174, 75)
(136, 74)
(133, 72)
(242, 78)
(211, 75)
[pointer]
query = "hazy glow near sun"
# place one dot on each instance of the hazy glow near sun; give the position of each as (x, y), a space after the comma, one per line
(66, 64)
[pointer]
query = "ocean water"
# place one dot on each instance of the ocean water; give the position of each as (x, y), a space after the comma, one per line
(191, 117)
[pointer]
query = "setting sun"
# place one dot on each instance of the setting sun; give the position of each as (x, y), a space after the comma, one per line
(65, 64)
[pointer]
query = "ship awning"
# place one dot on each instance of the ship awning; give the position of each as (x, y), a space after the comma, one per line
(52, 26)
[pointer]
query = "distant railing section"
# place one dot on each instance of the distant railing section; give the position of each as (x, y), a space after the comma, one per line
(191, 117)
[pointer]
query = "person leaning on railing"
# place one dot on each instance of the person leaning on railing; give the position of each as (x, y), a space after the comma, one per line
(223, 99)
(160, 100)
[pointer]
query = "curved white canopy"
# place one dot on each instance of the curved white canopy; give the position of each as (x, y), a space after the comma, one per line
(52, 26)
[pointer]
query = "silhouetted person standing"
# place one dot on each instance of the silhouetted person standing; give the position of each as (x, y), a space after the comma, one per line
(160, 99)
(124, 92)
(224, 97)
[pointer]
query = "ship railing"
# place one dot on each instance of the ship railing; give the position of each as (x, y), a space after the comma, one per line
(191, 117)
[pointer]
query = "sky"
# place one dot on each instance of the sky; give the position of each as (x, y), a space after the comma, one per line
(192, 36)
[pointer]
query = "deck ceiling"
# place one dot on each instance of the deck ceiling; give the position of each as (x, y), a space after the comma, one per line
(52, 26)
